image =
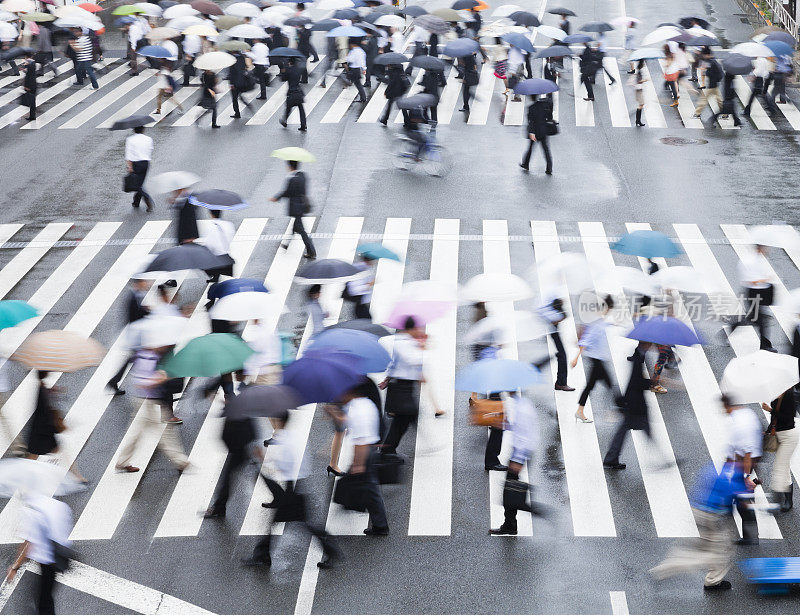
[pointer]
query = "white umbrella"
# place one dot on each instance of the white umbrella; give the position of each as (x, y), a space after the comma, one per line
(628, 277)
(162, 34)
(247, 30)
(34, 476)
(243, 9)
(179, 10)
(495, 287)
(279, 9)
(567, 266)
(552, 32)
(8, 32)
(214, 60)
(428, 290)
(392, 21)
(18, 6)
(172, 180)
(623, 22)
(525, 326)
(659, 35)
(687, 279)
(498, 28)
(334, 5)
(777, 235)
(243, 306)
(181, 23)
(74, 12)
(753, 50)
(698, 31)
(759, 377)
(202, 29)
(504, 10)
(150, 9)
(6, 16)
(74, 22)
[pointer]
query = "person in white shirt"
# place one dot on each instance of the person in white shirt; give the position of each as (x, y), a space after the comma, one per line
(259, 54)
(356, 68)
(138, 153)
(360, 288)
(762, 69)
(166, 87)
(191, 47)
(396, 41)
(135, 34)
(757, 294)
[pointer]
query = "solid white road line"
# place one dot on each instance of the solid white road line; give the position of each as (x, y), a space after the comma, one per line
(270, 106)
(482, 100)
(449, 98)
(107, 100)
(19, 266)
(653, 114)
(586, 481)
(616, 97)
(791, 113)
(515, 112)
(757, 112)
(663, 485)
(584, 111)
(497, 261)
(374, 108)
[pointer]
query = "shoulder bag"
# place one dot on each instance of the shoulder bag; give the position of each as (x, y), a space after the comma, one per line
(486, 412)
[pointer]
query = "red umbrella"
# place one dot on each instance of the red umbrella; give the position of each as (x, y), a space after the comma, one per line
(91, 7)
(206, 7)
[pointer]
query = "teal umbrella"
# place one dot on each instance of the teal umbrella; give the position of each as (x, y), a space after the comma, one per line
(374, 251)
(13, 312)
(208, 355)
(647, 244)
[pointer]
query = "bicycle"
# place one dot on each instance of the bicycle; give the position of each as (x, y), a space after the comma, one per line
(434, 158)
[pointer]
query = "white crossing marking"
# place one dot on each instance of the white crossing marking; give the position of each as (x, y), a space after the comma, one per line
(13, 94)
(584, 111)
(107, 100)
(619, 603)
(479, 110)
(137, 103)
(224, 116)
(757, 112)
(270, 106)
(7, 231)
(686, 107)
(340, 106)
(653, 114)
(191, 116)
(791, 113)
(616, 97)
(19, 266)
(515, 111)
(374, 108)
(312, 99)
(449, 98)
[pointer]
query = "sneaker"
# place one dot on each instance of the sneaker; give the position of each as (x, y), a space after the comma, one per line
(377, 531)
(657, 388)
(174, 421)
(503, 530)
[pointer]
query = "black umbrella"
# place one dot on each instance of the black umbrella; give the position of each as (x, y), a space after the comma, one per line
(261, 400)
(188, 256)
(464, 4)
(781, 36)
(524, 18)
(325, 25)
(532, 87)
(327, 270)
(432, 23)
(386, 9)
(362, 324)
(571, 39)
(554, 51)
(390, 58)
(460, 48)
(218, 199)
(418, 101)
(561, 11)
(285, 52)
(737, 64)
(596, 26)
(668, 23)
(298, 22)
(702, 41)
(165, 4)
(414, 11)
(132, 122)
(428, 63)
(688, 22)
(345, 14)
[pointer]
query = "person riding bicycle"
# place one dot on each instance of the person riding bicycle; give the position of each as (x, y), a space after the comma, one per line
(413, 129)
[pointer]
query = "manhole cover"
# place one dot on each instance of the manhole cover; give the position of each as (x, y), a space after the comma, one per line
(682, 141)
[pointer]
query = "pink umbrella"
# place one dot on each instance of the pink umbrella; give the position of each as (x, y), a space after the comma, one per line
(425, 301)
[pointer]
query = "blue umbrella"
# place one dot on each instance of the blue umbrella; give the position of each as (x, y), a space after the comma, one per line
(236, 285)
(571, 39)
(645, 53)
(13, 312)
(349, 31)
(647, 244)
(664, 330)
(372, 356)
(285, 52)
(460, 47)
(153, 51)
(374, 251)
(596, 26)
(554, 51)
(779, 48)
(531, 87)
(520, 41)
(124, 21)
(781, 36)
(223, 200)
(318, 379)
(495, 375)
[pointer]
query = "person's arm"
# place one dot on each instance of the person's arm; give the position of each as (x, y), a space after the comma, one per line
(577, 356)
(283, 194)
(22, 556)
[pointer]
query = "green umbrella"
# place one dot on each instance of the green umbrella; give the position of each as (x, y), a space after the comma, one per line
(127, 9)
(37, 16)
(294, 153)
(13, 312)
(233, 46)
(227, 21)
(208, 355)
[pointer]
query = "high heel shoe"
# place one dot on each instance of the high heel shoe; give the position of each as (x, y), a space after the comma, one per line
(330, 471)
(582, 419)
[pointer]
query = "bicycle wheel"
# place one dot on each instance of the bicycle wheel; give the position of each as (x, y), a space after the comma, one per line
(401, 157)
(437, 161)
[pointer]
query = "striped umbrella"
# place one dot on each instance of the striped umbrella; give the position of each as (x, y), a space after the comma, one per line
(59, 351)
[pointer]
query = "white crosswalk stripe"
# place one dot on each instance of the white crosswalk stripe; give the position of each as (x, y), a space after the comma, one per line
(615, 95)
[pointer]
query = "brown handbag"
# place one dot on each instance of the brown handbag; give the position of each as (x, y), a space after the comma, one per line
(486, 412)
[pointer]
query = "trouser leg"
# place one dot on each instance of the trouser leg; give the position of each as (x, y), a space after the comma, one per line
(214, 114)
(465, 94)
(374, 502)
(615, 448)
(493, 446)
(47, 582)
(398, 427)
(587, 82)
(261, 75)
(748, 515)
(300, 229)
(596, 373)
(673, 88)
(526, 159)
(235, 101)
(385, 116)
(233, 462)
(362, 311)
(561, 359)
(548, 159)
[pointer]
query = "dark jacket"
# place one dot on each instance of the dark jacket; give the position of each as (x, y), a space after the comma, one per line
(187, 221)
(236, 74)
(135, 308)
(470, 69)
(634, 406)
(209, 81)
(433, 45)
(42, 434)
(237, 434)
(371, 49)
(293, 75)
(589, 63)
(397, 83)
(30, 84)
(304, 41)
(538, 114)
(295, 191)
(431, 81)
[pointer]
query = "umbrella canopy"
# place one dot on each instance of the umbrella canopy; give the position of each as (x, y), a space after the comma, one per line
(428, 63)
(285, 52)
(224, 200)
(596, 26)
(148, 8)
(552, 32)
(236, 285)
(525, 18)
(153, 51)
(504, 10)
(532, 87)
(417, 101)
(432, 23)
(165, 4)
(132, 121)
(127, 9)
(349, 31)
(226, 22)
(393, 21)
(561, 11)
(624, 21)
(688, 22)
(752, 49)
(333, 5)
(448, 15)
(322, 379)
(36, 478)
(13, 312)
(646, 53)
(361, 324)
(737, 64)
(489, 376)
(327, 270)
(162, 34)
(349, 14)
(554, 51)
(459, 5)
(686, 279)
(18, 6)
(297, 22)
(784, 37)
(386, 9)
(208, 355)
(659, 35)
(234, 46)
(577, 38)
(326, 25)
(524, 326)
(201, 30)
(244, 305)
(647, 244)
(74, 22)
(181, 23)
(247, 30)
(243, 9)
(520, 41)
(631, 278)
(38, 17)
(294, 153)
(460, 47)
(261, 400)
(179, 10)
(376, 251)
(390, 58)
(778, 48)
(373, 357)
(703, 41)
(664, 330)
(185, 257)
(759, 377)
(495, 287)
(424, 301)
(214, 60)
(206, 7)
(569, 267)
(414, 11)
(59, 351)
(172, 180)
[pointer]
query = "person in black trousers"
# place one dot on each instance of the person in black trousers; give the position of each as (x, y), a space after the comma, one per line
(538, 117)
(135, 310)
(304, 44)
(588, 68)
(208, 98)
(371, 49)
(553, 314)
(397, 84)
(293, 75)
(431, 82)
(30, 86)
(237, 77)
(728, 98)
(237, 434)
(469, 69)
(295, 192)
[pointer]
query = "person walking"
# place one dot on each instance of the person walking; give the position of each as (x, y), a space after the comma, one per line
(331, 53)
(781, 425)
(588, 70)
(240, 82)
(295, 97)
(166, 88)
(135, 33)
(82, 46)
(30, 86)
(356, 68)
(313, 309)
(295, 192)
(431, 84)
(711, 74)
(135, 310)
(762, 69)
(538, 119)
(630, 44)
(745, 436)
(638, 80)
(304, 44)
(46, 422)
(552, 312)
(238, 435)
(371, 51)
(208, 98)
(138, 153)
(192, 46)
(359, 290)
(757, 294)
(259, 55)
(469, 69)
(44, 50)
(397, 84)
(728, 106)
(564, 24)
(782, 71)
(218, 237)
(671, 74)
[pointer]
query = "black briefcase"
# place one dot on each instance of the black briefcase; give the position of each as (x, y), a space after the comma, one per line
(131, 183)
(292, 507)
(389, 469)
(515, 494)
(349, 492)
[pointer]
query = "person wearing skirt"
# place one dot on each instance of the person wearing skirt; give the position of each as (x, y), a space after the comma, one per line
(783, 410)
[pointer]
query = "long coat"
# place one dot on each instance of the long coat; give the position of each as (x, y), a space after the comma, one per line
(634, 407)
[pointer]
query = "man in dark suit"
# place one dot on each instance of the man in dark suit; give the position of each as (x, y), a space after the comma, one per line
(538, 115)
(371, 49)
(293, 75)
(135, 310)
(295, 192)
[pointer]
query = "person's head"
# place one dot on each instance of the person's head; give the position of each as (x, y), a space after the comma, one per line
(140, 284)
(761, 249)
(640, 65)
(480, 311)
(368, 260)
(608, 304)
(139, 130)
(706, 51)
(42, 374)
(631, 24)
(215, 213)
(413, 328)
(314, 291)
(682, 46)
(301, 6)
(727, 403)
(293, 165)
(279, 422)
(163, 293)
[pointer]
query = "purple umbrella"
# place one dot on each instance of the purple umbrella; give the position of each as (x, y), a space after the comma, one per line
(664, 330)
(318, 378)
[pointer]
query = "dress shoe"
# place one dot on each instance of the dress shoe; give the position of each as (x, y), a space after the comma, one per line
(214, 513)
(236, 116)
(302, 129)
(330, 471)
(129, 469)
(614, 466)
(261, 98)
(503, 531)
(282, 123)
(377, 531)
(721, 586)
(272, 504)
(563, 387)
(524, 167)
(548, 171)
(115, 390)
(311, 257)
(747, 542)
(498, 467)
(252, 562)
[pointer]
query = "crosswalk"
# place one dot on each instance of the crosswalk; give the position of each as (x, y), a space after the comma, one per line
(661, 468)
(70, 107)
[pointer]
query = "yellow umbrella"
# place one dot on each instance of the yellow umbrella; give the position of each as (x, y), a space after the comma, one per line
(59, 351)
(294, 153)
(201, 30)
